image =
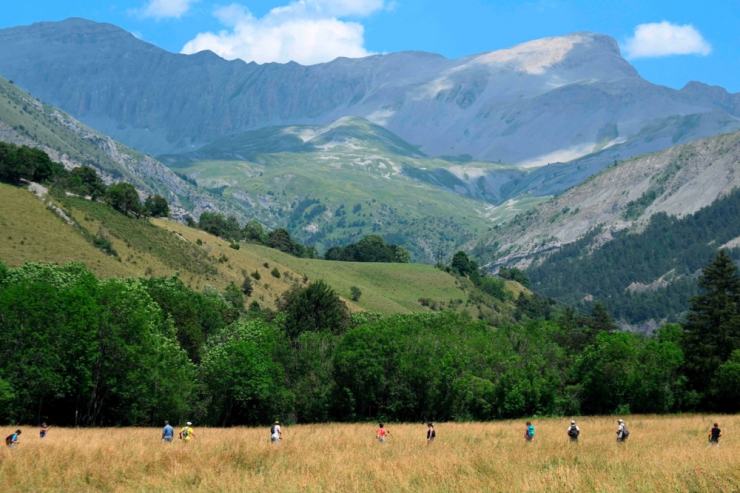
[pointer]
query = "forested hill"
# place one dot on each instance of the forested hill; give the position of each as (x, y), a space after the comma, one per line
(643, 276)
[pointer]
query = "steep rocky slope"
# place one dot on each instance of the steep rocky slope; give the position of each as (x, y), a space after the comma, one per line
(678, 181)
(26, 121)
(550, 100)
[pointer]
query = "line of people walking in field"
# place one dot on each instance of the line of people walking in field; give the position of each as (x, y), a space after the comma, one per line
(381, 434)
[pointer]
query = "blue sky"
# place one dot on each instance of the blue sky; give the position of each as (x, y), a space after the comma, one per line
(669, 42)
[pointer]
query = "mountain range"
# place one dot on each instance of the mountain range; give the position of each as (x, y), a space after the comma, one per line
(551, 100)
(554, 156)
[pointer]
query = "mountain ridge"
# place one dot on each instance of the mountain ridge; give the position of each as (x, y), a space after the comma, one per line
(487, 105)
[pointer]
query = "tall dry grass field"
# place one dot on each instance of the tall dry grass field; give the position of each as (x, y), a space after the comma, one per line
(662, 454)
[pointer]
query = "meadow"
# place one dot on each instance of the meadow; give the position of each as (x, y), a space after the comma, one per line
(31, 232)
(663, 453)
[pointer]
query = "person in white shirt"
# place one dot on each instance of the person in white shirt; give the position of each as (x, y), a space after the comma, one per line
(621, 434)
(275, 433)
(573, 431)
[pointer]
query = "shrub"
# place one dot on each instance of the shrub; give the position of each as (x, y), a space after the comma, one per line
(356, 293)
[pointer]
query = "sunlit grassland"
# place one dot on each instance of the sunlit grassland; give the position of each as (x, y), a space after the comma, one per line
(663, 454)
(386, 288)
(31, 232)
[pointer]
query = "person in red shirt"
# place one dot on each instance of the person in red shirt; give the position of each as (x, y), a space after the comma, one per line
(381, 433)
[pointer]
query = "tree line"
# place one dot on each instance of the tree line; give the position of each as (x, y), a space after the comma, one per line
(19, 163)
(78, 350)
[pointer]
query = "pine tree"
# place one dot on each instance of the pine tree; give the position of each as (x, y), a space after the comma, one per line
(712, 327)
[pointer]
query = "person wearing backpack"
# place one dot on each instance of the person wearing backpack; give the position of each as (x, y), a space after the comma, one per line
(714, 435)
(12, 439)
(622, 431)
(573, 432)
(187, 432)
(529, 433)
(276, 434)
(431, 434)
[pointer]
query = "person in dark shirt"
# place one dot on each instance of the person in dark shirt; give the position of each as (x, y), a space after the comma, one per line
(431, 434)
(714, 435)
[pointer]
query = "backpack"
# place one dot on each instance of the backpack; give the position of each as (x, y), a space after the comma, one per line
(272, 430)
(573, 432)
(9, 439)
(625, 432)
(185, 433)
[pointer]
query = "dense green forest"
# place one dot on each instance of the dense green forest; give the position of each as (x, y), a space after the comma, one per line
(673, 247)
(78, 350)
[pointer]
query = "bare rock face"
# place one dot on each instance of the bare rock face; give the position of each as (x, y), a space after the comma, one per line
(550, 100)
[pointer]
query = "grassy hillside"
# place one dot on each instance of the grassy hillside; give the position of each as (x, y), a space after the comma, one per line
(332, 185)
(33, 232)
(386, 288)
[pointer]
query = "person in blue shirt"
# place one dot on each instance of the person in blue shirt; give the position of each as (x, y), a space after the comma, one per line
(529, 434)
(168, 432)
(12, 439)
(44, 429)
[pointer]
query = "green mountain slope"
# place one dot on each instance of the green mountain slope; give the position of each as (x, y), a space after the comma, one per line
(33, 232)
(331, 185)
(27, 121)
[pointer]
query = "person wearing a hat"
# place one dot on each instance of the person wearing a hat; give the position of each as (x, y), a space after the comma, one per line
(275, 433)
(621, 431)
(187, 432)
(573, 431)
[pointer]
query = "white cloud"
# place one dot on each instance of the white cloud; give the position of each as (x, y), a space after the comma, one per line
(663, 39)
(305, 31)
(160, 9)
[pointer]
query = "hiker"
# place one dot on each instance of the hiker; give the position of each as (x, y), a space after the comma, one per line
(573, 431)
(168, 432)
(714, 435)
(381, 433)
(622, 431)
(431, 434)
(529, 434)
(187, 432)
(276, 434)
(44, 429)
(12, 439)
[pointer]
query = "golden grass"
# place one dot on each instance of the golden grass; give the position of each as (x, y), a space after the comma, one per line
(386, 288)
(663, 454)
(29, 231)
